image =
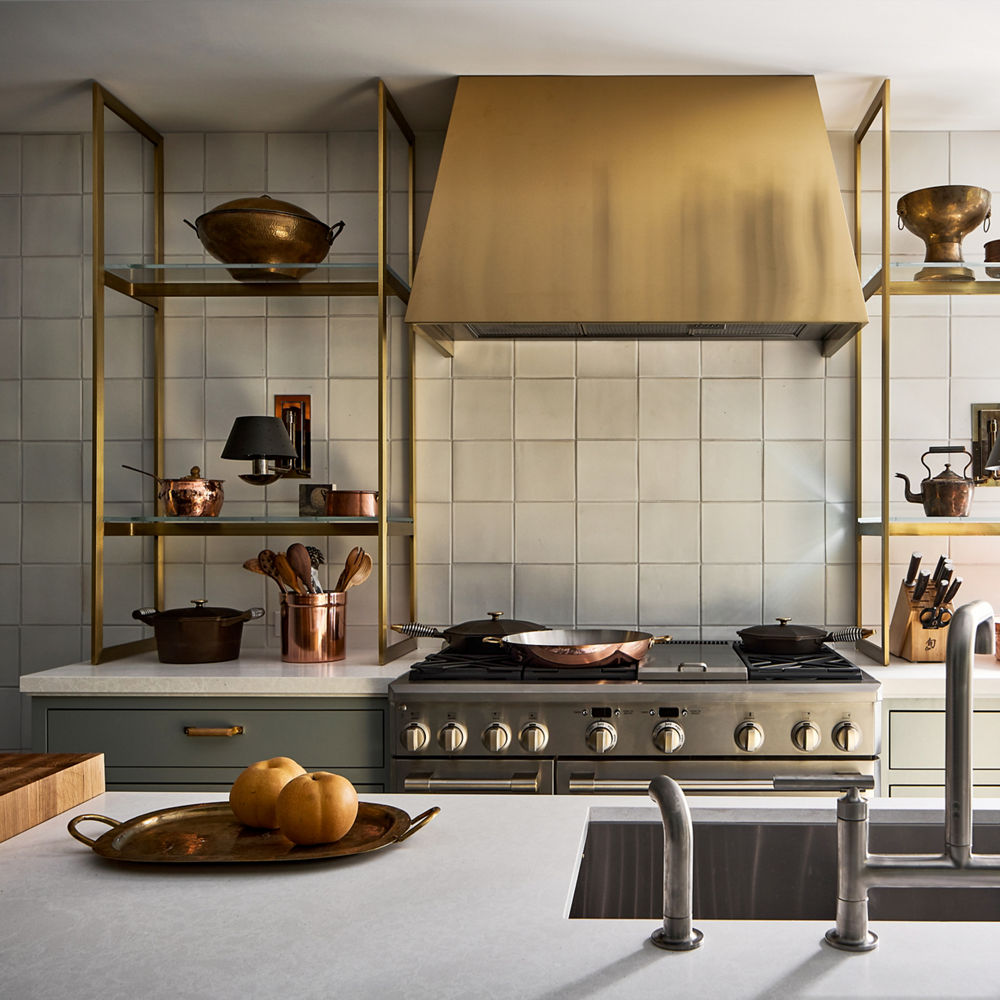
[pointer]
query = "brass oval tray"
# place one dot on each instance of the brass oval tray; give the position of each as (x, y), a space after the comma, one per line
(209, 832)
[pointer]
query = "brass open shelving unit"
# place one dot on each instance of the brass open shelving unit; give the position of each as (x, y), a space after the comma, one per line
(900, 277)
(151, 282)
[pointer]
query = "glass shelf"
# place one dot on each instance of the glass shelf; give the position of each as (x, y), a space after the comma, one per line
(209, 278)
(931, 526)
(262, 525)
(917, 277)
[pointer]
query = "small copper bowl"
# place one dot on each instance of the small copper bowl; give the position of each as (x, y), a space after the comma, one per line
(992, 251)
(352, 503)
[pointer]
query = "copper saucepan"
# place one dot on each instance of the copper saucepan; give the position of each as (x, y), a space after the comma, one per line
(351, 503)
(578, 647)
(189, 496)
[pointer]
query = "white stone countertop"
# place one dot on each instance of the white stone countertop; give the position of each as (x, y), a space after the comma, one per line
(255, 673)
(472, 906)
(262, 673)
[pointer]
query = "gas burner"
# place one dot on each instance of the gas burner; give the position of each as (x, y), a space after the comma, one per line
(825, 664)
(448, 665)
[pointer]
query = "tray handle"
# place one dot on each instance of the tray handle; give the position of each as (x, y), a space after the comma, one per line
(419, 821)
(77, 820)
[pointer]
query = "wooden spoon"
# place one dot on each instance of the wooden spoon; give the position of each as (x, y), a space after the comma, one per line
(265, 559)
(298, 558)
(362, 573)
(350, 567)
(287, 574)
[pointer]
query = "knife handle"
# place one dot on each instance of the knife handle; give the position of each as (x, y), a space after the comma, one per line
(921, 585)
(911, 572)
(952, 590)
(939, 569)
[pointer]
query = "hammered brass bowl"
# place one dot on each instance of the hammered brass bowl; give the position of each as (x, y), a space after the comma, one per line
(265, 230)
(942, 216)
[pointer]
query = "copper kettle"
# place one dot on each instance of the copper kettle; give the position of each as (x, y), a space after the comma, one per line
(947, 494)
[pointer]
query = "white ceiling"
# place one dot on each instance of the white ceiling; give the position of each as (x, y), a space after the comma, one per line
(295, 65)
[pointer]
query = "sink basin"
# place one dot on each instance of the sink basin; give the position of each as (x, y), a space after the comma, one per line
(765, 871)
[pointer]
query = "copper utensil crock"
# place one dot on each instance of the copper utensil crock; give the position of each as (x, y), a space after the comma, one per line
(313, 627)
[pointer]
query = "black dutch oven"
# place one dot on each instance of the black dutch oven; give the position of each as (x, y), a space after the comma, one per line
(468, 637)
(788, 639)
(198, 634)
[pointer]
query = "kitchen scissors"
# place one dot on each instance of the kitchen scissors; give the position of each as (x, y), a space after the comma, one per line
(935, 617)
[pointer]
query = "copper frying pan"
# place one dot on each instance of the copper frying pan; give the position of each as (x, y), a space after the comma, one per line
(577, 647)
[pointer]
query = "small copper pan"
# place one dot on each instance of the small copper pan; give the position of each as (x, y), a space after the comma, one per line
(351, 503)
(578, 647)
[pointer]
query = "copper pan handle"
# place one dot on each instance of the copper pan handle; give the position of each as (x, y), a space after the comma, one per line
(213, 730)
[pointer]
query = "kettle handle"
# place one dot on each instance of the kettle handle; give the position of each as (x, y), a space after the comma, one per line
(946, 449)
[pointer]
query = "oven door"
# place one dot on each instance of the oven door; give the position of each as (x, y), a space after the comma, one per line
(587, 776)
(527, 776)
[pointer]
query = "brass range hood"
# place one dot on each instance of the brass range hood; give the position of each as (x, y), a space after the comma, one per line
(637, 207)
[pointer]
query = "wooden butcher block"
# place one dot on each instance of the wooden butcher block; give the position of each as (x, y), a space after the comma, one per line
(35, 787)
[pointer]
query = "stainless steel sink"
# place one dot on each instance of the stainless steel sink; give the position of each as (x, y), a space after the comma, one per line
(765, 871)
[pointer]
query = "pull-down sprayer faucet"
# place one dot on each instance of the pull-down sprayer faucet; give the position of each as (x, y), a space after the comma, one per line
(971, 631)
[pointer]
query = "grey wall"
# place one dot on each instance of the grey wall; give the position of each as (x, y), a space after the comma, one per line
(693, 488)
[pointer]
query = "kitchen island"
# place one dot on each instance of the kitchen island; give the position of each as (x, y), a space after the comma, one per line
(473, 905)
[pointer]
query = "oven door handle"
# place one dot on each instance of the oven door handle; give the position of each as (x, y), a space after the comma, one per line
(587, 784)
(421, 782)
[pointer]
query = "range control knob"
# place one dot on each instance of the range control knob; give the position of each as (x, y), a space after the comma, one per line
(496, 737)
(846, 736)
(601, 737)
(668, 737)
(451, 737)
(749, 736)
(533, 737)
(805, 736)
(414, 737)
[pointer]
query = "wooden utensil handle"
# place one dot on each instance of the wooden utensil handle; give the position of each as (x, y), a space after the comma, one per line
(213, 730)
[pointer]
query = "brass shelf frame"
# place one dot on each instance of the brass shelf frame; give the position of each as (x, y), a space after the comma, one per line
(884, 527)
(382, 282)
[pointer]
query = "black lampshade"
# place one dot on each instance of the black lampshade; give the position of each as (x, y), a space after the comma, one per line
(258, 437)
(993, 462)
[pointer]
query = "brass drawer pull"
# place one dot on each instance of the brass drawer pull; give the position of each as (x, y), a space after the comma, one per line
(213, 730)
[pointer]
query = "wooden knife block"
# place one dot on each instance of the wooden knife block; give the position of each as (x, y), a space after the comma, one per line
(909, 638)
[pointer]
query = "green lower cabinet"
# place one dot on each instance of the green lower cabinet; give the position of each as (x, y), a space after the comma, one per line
(179, 744)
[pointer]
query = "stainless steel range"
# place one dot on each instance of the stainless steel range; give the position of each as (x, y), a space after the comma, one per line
(715, 718)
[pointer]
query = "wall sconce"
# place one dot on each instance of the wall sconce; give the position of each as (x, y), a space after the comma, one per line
(256, 439)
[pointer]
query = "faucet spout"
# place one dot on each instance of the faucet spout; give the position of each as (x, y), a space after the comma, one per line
(971, 631)
(676, 934)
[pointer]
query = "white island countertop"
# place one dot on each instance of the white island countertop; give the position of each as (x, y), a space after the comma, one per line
(472, 906)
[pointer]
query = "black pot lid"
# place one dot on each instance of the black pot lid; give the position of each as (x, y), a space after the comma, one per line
(201, 612)
(783, 630)
(494, 625)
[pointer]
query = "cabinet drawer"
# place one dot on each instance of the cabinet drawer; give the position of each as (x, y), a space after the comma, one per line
(937, 791)
(916, 740)
(154, 737)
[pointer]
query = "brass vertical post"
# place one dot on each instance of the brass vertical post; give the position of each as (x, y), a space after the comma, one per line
(97, 374)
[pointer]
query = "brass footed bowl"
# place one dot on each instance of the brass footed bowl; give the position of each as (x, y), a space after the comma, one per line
(942, 216)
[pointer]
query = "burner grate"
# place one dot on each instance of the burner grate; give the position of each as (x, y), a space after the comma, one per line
(448, 665)
(825, 664)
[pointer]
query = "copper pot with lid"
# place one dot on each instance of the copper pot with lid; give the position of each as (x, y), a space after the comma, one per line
(265, 230)
(947, 494)
(189, 496)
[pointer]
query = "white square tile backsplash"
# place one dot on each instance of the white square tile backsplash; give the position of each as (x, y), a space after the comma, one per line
(693, 487)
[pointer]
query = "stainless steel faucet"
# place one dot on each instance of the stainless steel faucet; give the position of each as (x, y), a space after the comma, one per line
(676, 934)
(971, 631)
